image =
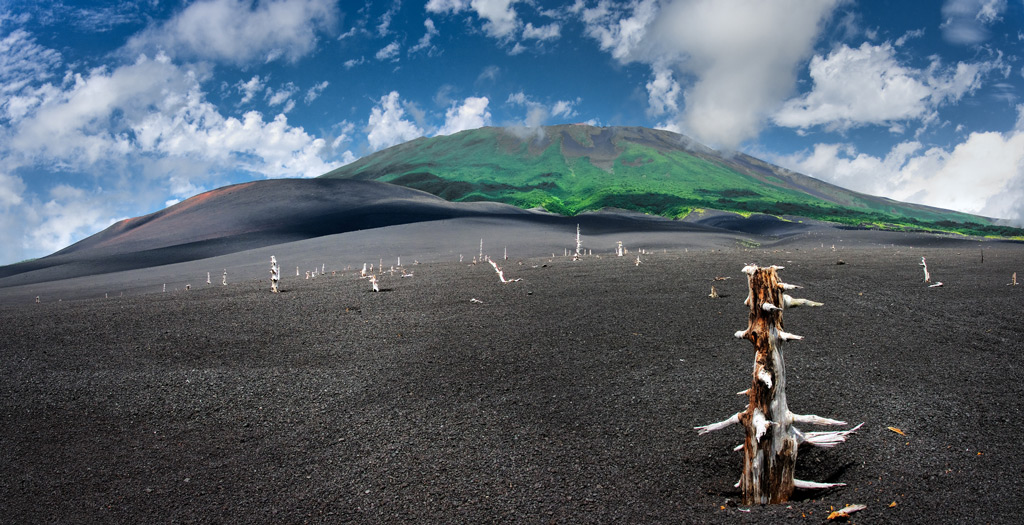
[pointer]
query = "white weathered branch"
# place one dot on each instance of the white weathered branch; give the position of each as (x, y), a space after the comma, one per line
(811, 419)
(791, 302)
(787, 286)
(786, 336)
(814, 485)
(733, 420)
(769, 307)
(827, 439)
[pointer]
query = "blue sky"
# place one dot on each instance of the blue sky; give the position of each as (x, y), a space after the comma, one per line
(115, 109)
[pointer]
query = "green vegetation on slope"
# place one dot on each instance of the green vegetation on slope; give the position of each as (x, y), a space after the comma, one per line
(571, 169)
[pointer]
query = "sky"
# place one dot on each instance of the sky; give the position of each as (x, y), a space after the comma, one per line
(116, 109)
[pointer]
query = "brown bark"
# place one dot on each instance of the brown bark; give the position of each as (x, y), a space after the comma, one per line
(769, 459)
(771, 442)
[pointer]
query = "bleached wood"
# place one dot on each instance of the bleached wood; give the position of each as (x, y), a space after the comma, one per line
(771, 444)
(734, 419)
(791, 302)
(811, 419)
(814, 485)
(827, 439)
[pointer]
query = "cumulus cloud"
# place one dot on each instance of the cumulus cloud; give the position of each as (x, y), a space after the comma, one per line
(739, 56)
(983, 175)
(967, 21)
(239, 31)
(868, 85)
(387, 124)
(471, 114)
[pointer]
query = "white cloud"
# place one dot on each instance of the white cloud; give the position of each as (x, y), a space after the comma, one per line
(388, 52)
(384, 27)
(489, 74)
(70, 214)
(537, 113)
(547, 32)
(424, 43)
(11, 190)
(868, 85)
(282, 96)
(982, 175)
(617, 33)
(447, 6)
(565, 108)
(387, 124)
(353, 62)
(239, 31)
(500, 19)
(663, 92)
(249, 89)
(315, 91)
(967, 21)
(742, 55)
(471, 114)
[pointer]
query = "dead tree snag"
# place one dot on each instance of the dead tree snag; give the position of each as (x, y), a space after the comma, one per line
(770, 447)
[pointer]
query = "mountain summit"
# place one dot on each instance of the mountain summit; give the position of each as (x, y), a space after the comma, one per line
(573, 168)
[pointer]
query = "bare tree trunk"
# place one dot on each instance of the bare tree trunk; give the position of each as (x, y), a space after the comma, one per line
(770, 447)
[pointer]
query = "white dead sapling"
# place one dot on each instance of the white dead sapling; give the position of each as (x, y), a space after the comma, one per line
(501, 273)
(275, 274)
(928, 276)
(224, 278)
(618, 249)
(1013, 281)
(579, 245)
(208, 278)
(362, 273)
(770, 447)
(373, 282)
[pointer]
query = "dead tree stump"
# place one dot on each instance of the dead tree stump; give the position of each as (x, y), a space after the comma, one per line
(770, 447)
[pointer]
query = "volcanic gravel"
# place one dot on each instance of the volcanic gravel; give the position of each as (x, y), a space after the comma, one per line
(570, 396)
